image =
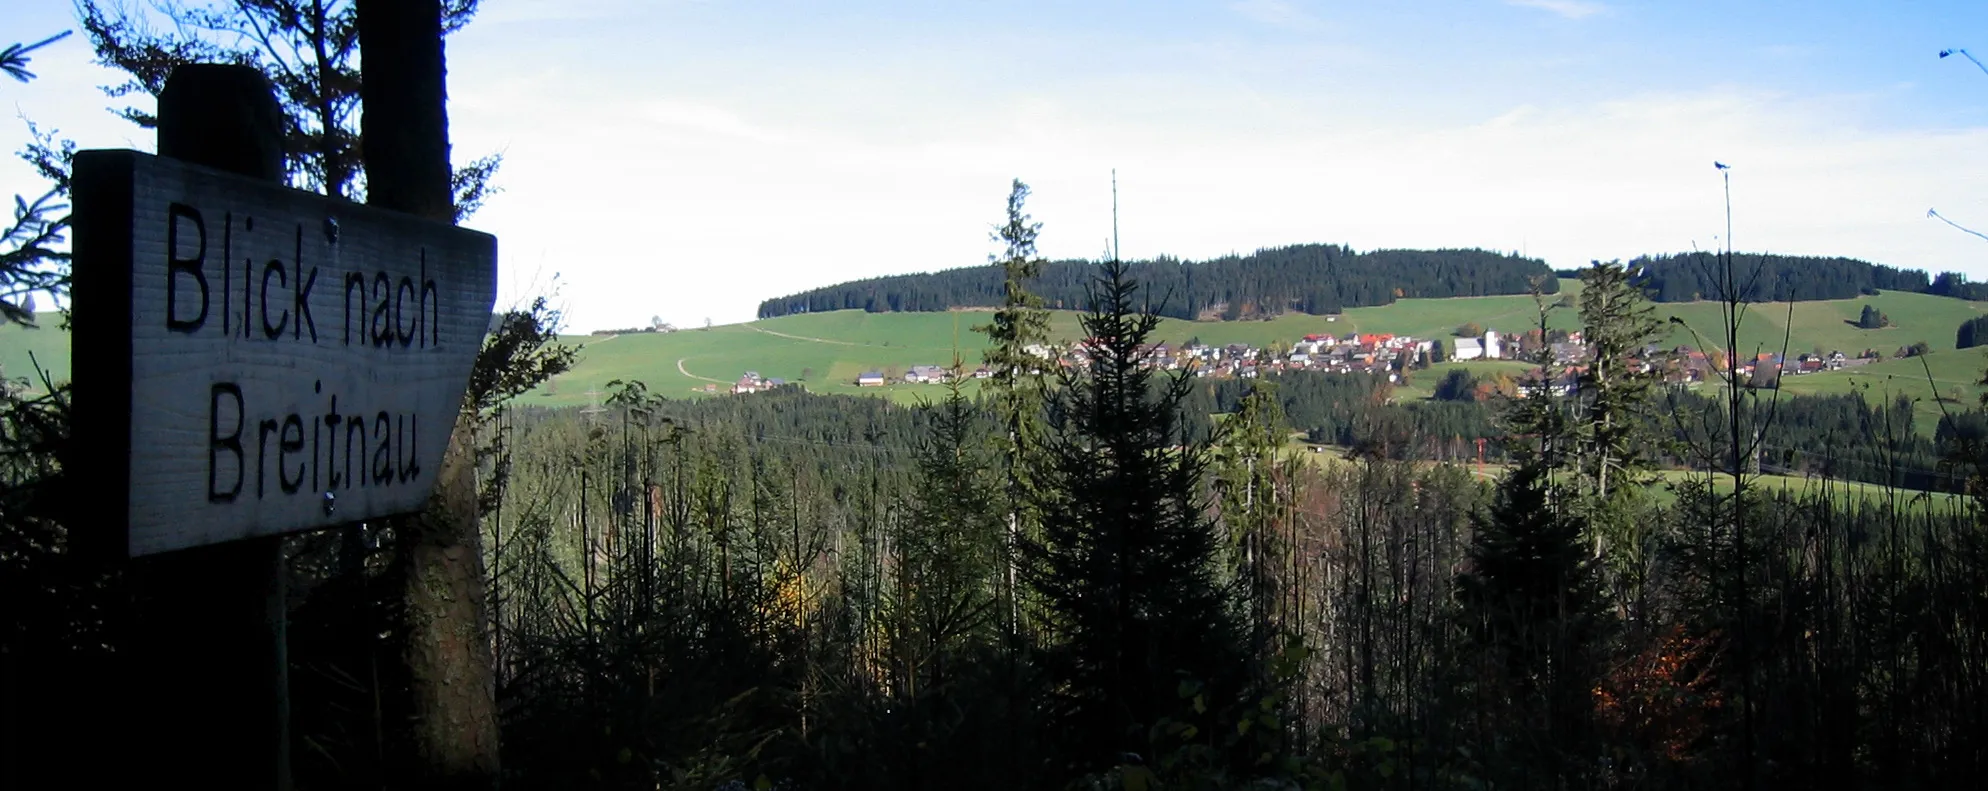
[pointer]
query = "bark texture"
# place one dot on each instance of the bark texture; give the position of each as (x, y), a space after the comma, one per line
(450, 701)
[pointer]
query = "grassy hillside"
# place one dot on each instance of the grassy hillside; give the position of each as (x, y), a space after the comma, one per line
(21, 347)
(1422, 384)
(825, 355)
(827, 350)
(1832, 325)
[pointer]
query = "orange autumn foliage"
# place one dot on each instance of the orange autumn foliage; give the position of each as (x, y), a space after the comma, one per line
(1664, 697)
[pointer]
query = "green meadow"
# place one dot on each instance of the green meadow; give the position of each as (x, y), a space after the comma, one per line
(826, 351)
(21, 348)
(825, 356)
(1827, 326)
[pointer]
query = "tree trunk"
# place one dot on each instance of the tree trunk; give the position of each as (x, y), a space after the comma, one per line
(450, 700)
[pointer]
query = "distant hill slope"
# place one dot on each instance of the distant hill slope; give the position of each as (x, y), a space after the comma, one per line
(1689, 277)
(825, 351)
(22, 347)
(1317, 279)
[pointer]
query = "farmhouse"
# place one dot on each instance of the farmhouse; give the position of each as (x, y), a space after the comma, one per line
(870, 379)
(925, 374)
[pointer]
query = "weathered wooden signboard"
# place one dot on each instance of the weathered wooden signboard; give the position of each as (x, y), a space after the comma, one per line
(253, 360)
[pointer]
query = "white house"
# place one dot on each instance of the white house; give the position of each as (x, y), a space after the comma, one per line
(1468, 349)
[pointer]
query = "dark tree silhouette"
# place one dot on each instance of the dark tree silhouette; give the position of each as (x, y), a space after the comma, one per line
(307, 48)
(1126, 564)
(1531, 607)
(1973, 332)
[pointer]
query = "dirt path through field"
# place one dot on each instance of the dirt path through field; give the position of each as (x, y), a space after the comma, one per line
(806, 338)
(686, 372)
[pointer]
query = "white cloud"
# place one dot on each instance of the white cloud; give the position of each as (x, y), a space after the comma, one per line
(1277, 13)
(708, 214)
(706, 118)
(1571, 9)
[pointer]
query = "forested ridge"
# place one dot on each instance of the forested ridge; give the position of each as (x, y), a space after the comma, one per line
(1322, 279)
(1319, 279)
(1688, 277)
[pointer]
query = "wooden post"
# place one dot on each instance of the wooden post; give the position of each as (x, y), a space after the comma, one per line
(451, 700)
(208, 663)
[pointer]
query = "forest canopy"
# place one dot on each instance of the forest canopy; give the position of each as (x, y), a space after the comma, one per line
(1323, 279)
(1688, 277)
(1319, 279)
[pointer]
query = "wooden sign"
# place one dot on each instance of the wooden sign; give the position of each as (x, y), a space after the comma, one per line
(252, 359)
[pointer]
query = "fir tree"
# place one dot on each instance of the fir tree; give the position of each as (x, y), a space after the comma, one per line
(1613, 432)
(1016, 385)
(1872, 319)
(1245, 459)
(1126, 565)
(947, 550)
(1973, 332)
(940, 605)
(31, 254)
(1538, 419)
(1531, 611)
(1617, 322)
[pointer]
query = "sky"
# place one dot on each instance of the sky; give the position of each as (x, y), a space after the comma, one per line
(685, 159)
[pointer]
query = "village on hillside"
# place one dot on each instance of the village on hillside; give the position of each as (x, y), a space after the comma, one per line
(1385, 354)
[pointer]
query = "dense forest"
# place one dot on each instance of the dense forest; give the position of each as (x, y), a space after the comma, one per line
(1844, 437)
(1688, 277)
(1106, 588)
(1972, 332)
(1325, 279)
(1318, 279)
(1103, 577)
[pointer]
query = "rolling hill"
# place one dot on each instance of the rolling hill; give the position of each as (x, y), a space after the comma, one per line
(826, 351)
